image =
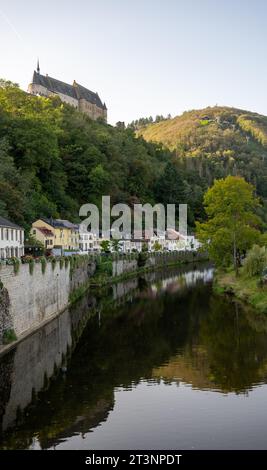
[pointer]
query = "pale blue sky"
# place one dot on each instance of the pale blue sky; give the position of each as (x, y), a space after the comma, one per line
(144, 57)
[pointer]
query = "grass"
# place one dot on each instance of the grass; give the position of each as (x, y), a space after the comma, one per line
(243, 287)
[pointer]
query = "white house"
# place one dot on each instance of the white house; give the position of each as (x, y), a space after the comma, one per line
(193, 242)
(11, 239)
(175, 241)
(88, 241)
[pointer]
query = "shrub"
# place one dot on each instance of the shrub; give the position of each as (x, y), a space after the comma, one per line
(54, 262)
(142, 259)
(31, 265)
(16, 264)
(104, 267)
(9, 336)
(255, 261)
(43, 263)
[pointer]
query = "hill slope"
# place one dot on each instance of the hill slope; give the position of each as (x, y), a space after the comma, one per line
(53, 159)
(215, 142)
(181, 130)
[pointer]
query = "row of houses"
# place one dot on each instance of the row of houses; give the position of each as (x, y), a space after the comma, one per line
(57, 233)
(60, 236)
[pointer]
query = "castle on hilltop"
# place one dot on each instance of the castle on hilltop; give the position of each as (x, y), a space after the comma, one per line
(81, 98)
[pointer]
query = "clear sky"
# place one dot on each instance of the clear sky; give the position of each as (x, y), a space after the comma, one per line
(143, 57)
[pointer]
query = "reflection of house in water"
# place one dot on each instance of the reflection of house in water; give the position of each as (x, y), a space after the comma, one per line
(173, 284)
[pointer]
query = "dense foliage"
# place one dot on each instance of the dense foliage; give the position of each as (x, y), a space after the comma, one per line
(256, 260)
(53, 159)
(216, 142)
(232, 225)
(142, 122)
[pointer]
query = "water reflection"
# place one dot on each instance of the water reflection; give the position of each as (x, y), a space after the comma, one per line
(131, 354)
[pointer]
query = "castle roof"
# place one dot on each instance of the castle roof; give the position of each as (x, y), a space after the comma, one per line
(75, 91)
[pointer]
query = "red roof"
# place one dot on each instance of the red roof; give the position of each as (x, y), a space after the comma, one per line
(45, 231)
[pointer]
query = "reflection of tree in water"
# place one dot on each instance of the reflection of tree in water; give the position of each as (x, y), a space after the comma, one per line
(222, 352)
(237, 354)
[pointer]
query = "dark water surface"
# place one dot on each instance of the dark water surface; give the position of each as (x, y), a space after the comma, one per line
(153, 363)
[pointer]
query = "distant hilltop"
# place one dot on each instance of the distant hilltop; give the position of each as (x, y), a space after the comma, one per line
(76, 95)
(208, 130)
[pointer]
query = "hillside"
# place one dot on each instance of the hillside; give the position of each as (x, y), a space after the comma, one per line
(215, 142)
(53, 159)
(181, 130)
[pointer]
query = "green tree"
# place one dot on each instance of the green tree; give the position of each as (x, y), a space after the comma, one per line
(157, 246)
(34, 245)
(256, 260)
(231, 228)
(105, 246)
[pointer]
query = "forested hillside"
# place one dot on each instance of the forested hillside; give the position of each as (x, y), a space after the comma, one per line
(53, 158)
(216, 142)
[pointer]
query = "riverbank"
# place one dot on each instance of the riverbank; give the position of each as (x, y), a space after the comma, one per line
(244, 288)
(102, 274)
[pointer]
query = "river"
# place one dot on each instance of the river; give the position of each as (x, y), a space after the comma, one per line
(158, 362)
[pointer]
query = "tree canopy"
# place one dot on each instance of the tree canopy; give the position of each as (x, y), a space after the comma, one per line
(232, 225)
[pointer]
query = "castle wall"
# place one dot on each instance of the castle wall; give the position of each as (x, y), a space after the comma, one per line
(66, 99)
(93, 111)
(37, 90)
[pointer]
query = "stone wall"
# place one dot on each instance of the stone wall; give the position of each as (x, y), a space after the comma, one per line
(35, 297)
(123, 266)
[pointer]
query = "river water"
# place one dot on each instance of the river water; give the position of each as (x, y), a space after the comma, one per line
(158, 362)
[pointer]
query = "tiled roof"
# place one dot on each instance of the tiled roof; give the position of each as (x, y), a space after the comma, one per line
(75, 91)
(6, 223)
(61, 223)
